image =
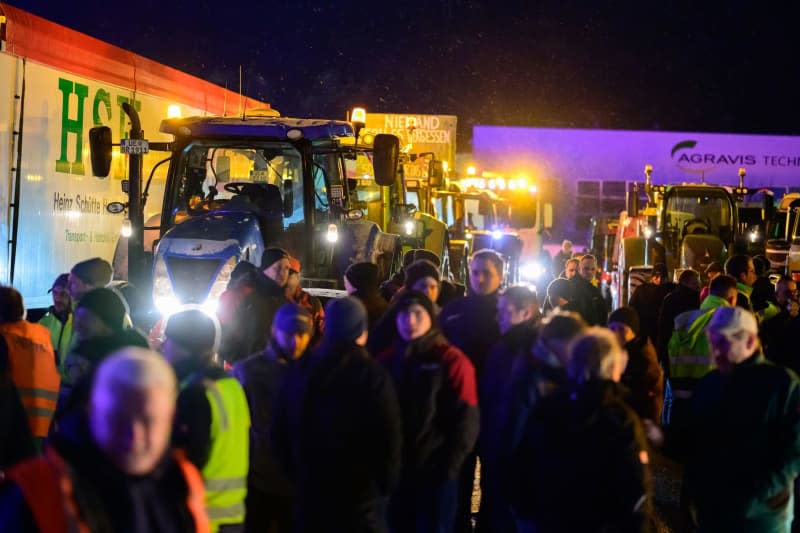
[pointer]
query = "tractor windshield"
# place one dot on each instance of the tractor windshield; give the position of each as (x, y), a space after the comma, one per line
(211, 174)
(698, 211)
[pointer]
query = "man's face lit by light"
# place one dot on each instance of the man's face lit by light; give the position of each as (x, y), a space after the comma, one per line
(131, 425)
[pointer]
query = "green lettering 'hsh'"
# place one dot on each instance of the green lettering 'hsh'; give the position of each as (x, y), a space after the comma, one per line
(69, 125)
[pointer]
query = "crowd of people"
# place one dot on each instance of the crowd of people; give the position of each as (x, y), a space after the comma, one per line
(370, 414)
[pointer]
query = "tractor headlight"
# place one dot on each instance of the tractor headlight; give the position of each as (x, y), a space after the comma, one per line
(409, 226)
(332, 236)
(532, 271)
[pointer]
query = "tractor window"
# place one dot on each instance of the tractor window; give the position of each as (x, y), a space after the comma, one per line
(698, 211)
(206, 168)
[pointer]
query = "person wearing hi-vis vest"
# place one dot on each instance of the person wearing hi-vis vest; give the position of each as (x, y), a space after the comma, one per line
(212, 422)
(32, 362)
(688, 350)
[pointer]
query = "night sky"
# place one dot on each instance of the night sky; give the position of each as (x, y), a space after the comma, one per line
(658, 65)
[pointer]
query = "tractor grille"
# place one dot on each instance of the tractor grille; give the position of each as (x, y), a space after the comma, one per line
(192, 277)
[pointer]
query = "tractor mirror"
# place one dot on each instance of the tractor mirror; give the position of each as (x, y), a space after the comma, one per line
(386, 152)
(436, 174)
(100, 150)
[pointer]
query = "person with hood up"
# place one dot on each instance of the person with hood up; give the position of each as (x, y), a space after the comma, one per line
(643, 376)
(437, 391)
(588, 464)
(337, 429)
(361, 282)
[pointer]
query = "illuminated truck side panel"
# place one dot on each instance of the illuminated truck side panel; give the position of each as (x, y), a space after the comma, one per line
(73, 83)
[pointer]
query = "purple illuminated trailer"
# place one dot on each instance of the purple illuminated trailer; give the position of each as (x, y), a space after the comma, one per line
(592, 168)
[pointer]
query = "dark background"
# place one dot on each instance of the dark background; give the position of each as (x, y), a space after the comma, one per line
(729, 67)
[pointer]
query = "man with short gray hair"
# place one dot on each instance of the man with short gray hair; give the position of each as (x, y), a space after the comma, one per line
(744, 433)
(114, 472)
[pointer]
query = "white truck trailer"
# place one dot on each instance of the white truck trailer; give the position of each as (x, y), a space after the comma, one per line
(56, 84)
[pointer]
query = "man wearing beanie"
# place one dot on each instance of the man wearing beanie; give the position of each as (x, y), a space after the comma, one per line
(338, 419)
(99, 329)
(361, 282)
(248, 306)
(424, 276)
(270, 495)
(91, 274)
(212, 419)
(643, 375)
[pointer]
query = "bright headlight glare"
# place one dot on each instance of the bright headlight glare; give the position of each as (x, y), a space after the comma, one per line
(333, 233)
(497, 234)
(531, 271)
(409, 227)
(126, 230)
(167, 305)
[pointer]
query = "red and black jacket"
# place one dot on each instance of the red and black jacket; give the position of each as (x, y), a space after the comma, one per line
(437, 390)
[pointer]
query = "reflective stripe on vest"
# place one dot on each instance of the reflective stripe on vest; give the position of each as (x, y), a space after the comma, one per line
(225, 472)
(33, 371)
(690, 366)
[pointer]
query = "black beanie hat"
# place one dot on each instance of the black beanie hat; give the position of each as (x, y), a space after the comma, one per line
(96, 272)
(422, 253)
(194, 330)
(627, 316)
(271, 255)
(345, 319)
(106, 305)
(363, 276)
(409, 298)
(419, 269)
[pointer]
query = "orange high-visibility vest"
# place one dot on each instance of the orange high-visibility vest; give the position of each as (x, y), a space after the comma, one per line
(48, 491)
(33, 370)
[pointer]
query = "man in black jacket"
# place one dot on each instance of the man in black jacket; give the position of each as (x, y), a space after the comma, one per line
(745, 432)
(469, 323)
(685, 297)
(247, 308)
(270, 494)
(588, 299)
(647, 299)
(338, 430)
(518, 317)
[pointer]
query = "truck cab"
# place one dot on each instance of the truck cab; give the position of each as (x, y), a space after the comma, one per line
(236, 186)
